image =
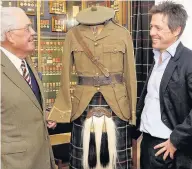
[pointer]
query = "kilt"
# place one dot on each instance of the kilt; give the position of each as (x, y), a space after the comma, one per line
(123, 133)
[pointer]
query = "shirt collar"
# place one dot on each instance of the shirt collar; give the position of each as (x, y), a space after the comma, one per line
(13, 58)
(168, 53)
(171, 50)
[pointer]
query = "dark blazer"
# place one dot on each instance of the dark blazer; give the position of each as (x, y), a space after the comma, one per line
(175, 98)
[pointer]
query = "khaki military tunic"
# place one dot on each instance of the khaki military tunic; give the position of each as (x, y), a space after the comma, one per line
(114, 49)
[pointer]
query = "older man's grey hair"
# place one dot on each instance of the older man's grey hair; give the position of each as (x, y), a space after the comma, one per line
(9, 20)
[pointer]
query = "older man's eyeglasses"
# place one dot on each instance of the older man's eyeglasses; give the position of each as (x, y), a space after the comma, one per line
(27, 28)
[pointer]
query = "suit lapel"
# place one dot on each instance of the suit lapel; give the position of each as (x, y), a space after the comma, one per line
(169, 70)
(167, 75)
(12, 73)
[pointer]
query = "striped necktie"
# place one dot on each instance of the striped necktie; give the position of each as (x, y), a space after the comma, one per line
(26, 74)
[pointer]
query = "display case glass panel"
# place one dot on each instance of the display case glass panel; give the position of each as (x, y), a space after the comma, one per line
(51, 20)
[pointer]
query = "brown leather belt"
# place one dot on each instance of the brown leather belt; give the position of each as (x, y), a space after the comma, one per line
(100, 80)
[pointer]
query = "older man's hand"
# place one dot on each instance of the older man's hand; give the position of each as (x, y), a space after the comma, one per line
(51, 124)
(167, 148)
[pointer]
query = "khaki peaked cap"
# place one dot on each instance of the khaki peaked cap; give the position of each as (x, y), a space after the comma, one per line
(95, 15)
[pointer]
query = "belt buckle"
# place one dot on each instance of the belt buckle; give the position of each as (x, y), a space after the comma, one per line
(107, 80)
(96, 81)
(99, 111)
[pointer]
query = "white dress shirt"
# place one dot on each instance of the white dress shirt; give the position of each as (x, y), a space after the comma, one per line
(151, 115)
(15, 60)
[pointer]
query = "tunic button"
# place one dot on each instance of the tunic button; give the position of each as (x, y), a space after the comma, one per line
(96, 44)
(115, 50)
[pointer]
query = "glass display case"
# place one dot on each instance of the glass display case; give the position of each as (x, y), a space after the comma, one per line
(51, 20)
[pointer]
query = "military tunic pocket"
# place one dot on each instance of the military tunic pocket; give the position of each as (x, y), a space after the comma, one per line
(76, 97)
(80, 59)
(77, 53)
(113, 57)
(123, 100)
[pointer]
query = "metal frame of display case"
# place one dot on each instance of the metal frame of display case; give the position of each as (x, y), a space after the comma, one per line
(123, 8)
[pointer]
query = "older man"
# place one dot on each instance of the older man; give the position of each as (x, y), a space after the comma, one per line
(24, 137)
